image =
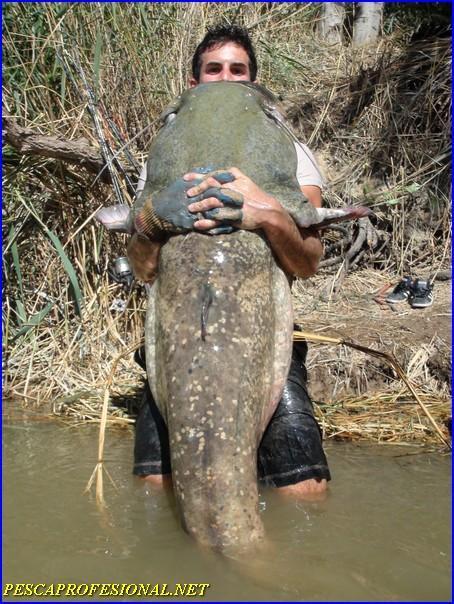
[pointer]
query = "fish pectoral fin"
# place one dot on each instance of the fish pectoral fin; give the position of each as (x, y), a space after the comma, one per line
(320, 218)
(115, 218)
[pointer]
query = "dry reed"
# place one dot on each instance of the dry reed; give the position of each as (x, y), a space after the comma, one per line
(378, 122)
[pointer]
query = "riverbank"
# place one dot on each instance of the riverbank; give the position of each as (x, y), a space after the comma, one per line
(356, 396)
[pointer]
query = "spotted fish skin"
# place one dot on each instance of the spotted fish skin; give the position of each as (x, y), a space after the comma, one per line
(217, 392)
(218, 331)
(218, 384)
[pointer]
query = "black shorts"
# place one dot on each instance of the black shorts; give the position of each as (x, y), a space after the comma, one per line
(289, 452)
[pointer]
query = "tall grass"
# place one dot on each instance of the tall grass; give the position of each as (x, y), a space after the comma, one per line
(58, 325)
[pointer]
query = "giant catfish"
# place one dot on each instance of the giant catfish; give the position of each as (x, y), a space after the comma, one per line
(218, 331)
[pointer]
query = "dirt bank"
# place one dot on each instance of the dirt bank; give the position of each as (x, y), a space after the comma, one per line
(419, 338)
(357, 395)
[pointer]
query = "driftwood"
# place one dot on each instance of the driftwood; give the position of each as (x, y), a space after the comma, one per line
(443, 275)
(29, 142)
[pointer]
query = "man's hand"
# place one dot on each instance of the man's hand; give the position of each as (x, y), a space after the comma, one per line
(298, 250)
(257, 209)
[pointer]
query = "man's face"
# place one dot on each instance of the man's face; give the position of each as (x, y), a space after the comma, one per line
(227, 62)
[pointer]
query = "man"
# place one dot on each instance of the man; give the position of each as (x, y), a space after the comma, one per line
(290, 456)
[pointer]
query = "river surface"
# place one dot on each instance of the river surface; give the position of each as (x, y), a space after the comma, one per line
(383, 533)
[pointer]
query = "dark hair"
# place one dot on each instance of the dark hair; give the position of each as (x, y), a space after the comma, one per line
(221, 34)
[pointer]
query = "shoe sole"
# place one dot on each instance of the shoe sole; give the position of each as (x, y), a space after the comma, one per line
(420, 304)
(396, 301)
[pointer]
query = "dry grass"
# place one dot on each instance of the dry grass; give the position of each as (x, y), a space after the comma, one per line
(386, 418)
(357, 312)
(378, 122)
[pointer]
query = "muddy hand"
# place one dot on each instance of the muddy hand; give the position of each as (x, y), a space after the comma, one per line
(224, 205)
(215, 208)
(168, 209)
(256, 203)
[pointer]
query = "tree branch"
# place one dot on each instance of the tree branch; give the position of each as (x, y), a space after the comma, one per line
(28, 142)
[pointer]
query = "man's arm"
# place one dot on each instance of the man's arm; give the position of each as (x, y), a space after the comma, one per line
(298, 250)
(313, 194)
(143, 256)
(142, 252)
(313, 247)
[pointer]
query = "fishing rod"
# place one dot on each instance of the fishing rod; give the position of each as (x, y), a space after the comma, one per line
(106, 151)
(113, 126)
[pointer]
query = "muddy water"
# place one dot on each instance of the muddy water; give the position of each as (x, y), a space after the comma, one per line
(384, 532)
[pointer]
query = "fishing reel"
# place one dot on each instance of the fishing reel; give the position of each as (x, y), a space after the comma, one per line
(120, 272)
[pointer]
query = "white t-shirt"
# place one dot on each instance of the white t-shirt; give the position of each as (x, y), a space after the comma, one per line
(307, 171)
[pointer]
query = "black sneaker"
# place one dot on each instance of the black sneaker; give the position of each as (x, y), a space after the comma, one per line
(401, 292)
(421, 295)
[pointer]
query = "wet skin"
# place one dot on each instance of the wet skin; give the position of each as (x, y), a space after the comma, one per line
(271, 237)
